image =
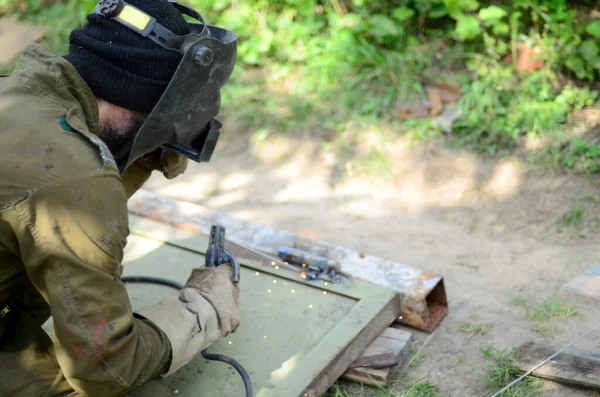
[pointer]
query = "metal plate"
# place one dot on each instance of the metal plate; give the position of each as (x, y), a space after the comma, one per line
(296, 337)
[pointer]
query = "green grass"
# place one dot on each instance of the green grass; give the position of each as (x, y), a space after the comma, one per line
(418, 355)
(476, 329)
(411, 388)
(422, 388)
(518, 302)
(581, 218)
(544, 330)
(573, 218)
(502, 370)
(540, 312)
(543, 311)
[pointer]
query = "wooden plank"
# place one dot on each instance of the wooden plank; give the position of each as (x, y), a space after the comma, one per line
(296, 337)
(374, 367)
(15, 37)
(423, 293)
(385, 350)
(572, 367)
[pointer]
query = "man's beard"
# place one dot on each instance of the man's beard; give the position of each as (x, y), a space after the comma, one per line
(120, 139)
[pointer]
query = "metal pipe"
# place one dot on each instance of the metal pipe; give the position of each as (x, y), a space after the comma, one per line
(423, 295)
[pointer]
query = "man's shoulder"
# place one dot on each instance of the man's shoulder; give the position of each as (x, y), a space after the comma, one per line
(41, 144)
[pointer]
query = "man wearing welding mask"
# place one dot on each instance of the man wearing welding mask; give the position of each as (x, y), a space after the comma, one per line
(137, 92)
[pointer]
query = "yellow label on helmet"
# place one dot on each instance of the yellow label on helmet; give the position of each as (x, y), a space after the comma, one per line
(134, 17)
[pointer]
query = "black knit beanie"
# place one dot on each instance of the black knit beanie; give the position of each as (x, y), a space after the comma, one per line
(122, 67)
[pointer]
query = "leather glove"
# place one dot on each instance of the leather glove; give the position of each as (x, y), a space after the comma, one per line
(215, 285)
(205, 310)
(169, 163)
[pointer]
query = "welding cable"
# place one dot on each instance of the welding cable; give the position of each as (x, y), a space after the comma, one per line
(208, 356)
(152, 280)
(238, 367)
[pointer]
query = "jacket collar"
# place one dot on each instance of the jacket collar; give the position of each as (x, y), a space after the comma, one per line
(55, 79)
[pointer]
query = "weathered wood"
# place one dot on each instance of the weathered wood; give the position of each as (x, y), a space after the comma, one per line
(385, 350)
(382, 369)
(423, 294)
(296, 338)
(572, 367)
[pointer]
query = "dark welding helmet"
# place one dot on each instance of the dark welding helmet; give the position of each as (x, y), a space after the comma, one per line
(183, 119)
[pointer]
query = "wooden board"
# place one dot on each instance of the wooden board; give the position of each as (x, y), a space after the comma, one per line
(572, 367)
(15, 37)
(380, 361)
(296, 337)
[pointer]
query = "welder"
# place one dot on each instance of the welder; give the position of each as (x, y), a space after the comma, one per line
(137, 92)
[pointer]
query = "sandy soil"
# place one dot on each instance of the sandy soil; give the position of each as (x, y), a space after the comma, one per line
(487, 226)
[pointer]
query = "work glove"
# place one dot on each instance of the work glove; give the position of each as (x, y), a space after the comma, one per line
(169, 163)
(215, 285)
(204, 311)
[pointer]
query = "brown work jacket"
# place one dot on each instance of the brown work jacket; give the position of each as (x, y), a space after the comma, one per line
(64, 225)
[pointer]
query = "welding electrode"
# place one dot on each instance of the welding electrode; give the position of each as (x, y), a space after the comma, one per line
(312, 261)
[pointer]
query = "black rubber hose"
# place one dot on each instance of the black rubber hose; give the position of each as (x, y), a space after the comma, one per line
(238, 367)
(208, 356)
(152, 280)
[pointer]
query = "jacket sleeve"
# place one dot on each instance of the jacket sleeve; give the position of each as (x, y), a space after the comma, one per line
(135, 176)
(170, 164)
(71, 235)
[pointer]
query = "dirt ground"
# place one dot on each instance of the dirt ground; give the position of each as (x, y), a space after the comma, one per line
(487, 226)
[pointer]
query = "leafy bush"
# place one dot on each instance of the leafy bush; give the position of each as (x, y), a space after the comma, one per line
(499, 106)
(353, 60)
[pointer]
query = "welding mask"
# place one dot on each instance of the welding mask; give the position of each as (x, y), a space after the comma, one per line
(183, 119)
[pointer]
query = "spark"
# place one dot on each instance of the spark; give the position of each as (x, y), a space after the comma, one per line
(324, 292)
(230, 342)
(276, 267)
(274, 281)
(257, 273)
(310, 306)
(269, 291)
(273, 263)
(294, 291)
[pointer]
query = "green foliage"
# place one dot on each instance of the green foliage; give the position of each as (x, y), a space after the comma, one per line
(581, 151)
(502, 370)
(320, 65)
(500, 106)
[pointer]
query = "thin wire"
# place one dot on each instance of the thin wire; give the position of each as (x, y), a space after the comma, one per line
(545, 361)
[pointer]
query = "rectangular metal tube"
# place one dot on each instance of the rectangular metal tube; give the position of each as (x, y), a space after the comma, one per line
(423, 294)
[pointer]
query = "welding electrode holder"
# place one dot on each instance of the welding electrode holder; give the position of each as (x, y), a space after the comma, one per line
(216, 254)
